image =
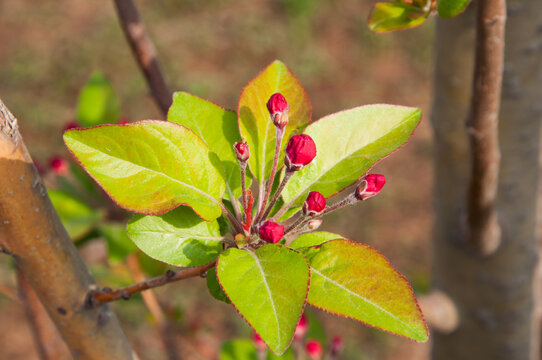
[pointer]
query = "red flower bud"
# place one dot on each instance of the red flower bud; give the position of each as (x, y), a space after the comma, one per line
(124, 120)
(336, 345)
(314, 204)
(278, 109)
(301, 328)
(241, 151)
(314, 349)
(372, 184)
(300, 151)
(271, 232)
(258, 342)
(276, 104)
(59, 166)
(70, 125)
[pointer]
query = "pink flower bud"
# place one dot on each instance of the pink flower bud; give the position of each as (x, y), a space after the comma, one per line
(258, 342)
(336, 345)
(314, 204)
(59, 166)
(314, 224)
(372, 184)
(271, 232)
(314, 349)
(70, 125)
(241, 151)
(278, 109)
(301, 328)
(300, 151)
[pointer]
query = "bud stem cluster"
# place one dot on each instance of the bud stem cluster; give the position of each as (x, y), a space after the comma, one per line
(299, 152)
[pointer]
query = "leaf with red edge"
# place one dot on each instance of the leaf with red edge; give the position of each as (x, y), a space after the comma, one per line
(151, 166)
(354, 280)
(268, 287)
(254, 120)
(348, 144)
(397, 15)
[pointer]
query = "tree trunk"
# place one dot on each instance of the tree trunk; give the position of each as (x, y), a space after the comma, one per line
(494, 295)
(32, 233)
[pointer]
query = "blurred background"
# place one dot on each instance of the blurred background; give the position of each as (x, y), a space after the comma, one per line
(50, 49)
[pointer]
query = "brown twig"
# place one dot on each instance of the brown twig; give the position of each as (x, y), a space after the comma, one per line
(49, 344)
(95, 298)
(483, 227)
(152, 303)
(9, 292)
(144, 52)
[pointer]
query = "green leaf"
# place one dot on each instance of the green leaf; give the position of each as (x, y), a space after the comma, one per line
(76, 216)
(451, 8)
(313, 239)
(268, 287)
(392, 16)
(216, 126)
(178, 238)
(97, 102)
(254, 120)
(151, 166)
(214, 286)
(288, 355)
(353, 280)
(119, 245)
(348, 144)
(240, 349)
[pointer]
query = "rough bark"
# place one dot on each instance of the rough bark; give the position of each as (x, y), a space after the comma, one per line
(47, 340)
(494, 295)
(45, 254)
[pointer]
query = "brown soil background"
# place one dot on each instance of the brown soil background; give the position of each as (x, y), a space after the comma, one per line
(211, 49)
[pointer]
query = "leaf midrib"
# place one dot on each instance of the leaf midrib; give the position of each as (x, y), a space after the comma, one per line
(151, 170)
(362, 298)
(269, 292)
(178, 235)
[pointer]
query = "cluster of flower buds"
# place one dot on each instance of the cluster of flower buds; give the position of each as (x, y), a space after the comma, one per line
(371, 186)
(300, 152)
(271, 232)
(278, 109)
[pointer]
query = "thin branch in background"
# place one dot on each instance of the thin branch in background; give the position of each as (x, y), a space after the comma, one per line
(49, 344)
(152, 303)
(144, 52)
(96, 298)
(9, 293)
(483, 227)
